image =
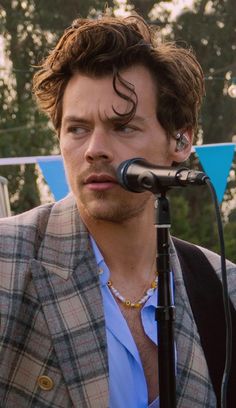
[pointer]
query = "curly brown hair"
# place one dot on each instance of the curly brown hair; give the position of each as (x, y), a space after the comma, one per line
(109, 45)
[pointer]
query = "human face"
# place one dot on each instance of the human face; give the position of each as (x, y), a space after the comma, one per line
(93, 143)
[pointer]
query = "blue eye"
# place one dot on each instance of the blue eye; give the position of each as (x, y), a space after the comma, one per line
(77, 130)
(125, 129)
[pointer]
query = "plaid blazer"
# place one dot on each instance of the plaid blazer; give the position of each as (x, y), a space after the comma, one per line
(53, 350)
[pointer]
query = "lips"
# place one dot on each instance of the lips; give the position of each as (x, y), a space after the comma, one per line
(99, 178)
(100, 182)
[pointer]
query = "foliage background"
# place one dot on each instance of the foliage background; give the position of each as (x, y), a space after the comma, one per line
(30, 29)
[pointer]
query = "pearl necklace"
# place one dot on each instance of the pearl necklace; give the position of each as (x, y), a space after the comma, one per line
(127, 302)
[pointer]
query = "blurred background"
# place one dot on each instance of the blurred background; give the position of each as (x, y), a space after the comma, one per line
(30, 28)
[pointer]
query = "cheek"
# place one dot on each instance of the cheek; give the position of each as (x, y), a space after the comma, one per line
(70, 153)
(159, 153)
(66, 146)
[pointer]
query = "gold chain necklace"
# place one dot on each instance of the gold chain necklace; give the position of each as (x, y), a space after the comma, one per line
(127, 302)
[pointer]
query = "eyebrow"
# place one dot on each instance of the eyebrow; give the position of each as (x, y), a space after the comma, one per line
(112, 119)
(120, 119)
(72, 118)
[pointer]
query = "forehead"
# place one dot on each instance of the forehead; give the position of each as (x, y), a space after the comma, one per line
(84, 92)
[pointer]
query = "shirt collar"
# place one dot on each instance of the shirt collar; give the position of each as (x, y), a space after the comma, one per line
(103, 270)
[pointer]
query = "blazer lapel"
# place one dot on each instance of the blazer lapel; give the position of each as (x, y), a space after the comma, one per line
(67, 283)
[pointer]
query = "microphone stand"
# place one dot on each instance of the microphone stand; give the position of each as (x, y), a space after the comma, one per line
(165, 312)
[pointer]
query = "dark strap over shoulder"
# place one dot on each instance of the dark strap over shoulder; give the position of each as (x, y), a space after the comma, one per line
(204, 290)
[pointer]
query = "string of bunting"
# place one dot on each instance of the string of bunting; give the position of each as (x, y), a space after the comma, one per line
(215, 159)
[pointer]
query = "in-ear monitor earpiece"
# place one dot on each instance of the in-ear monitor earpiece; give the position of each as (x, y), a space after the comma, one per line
(181, 141)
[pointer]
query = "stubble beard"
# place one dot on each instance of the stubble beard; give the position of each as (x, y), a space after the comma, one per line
(104, 206)
(111, 206)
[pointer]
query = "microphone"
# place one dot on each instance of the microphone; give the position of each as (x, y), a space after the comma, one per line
(138, 175)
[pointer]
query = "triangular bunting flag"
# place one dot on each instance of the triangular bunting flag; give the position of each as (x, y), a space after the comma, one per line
(54, 174)
(216, 161)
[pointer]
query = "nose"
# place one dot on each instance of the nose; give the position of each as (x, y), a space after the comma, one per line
(99, 146)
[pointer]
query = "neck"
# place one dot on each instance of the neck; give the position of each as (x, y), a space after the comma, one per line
(129, 248)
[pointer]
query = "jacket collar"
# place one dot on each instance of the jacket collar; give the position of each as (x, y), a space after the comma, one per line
(65, 241)
(66, 280)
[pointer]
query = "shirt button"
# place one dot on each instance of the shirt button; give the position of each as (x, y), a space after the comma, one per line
(100, 271)
(45, 383)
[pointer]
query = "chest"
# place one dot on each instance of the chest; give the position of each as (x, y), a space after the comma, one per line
(147, 350)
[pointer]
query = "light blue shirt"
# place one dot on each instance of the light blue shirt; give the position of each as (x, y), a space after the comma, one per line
(127, 383)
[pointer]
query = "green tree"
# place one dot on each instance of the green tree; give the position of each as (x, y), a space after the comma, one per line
(29, 28)
(209, 27)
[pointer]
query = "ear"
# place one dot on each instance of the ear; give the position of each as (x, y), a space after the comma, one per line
(183, 142)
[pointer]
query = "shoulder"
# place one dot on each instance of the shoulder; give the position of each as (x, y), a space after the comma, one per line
(30, 217)
(212, 257)
(215, 261)
(23, 226)
(190, 250)
(28, 223)
(20, 238)
(21, 235)
(17, 247)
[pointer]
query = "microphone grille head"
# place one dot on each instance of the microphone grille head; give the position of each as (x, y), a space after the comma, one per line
(125, 173)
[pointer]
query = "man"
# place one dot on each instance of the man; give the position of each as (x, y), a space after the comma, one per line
(78, 277)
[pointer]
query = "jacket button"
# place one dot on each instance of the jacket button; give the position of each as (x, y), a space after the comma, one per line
(45, 383)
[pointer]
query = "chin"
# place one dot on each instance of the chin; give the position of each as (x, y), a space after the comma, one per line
(106, 214)
(115, 214)
(104, 207)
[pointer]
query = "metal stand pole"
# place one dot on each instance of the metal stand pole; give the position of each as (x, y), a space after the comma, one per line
(165, 313)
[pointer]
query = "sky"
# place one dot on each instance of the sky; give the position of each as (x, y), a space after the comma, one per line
(175, 6)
